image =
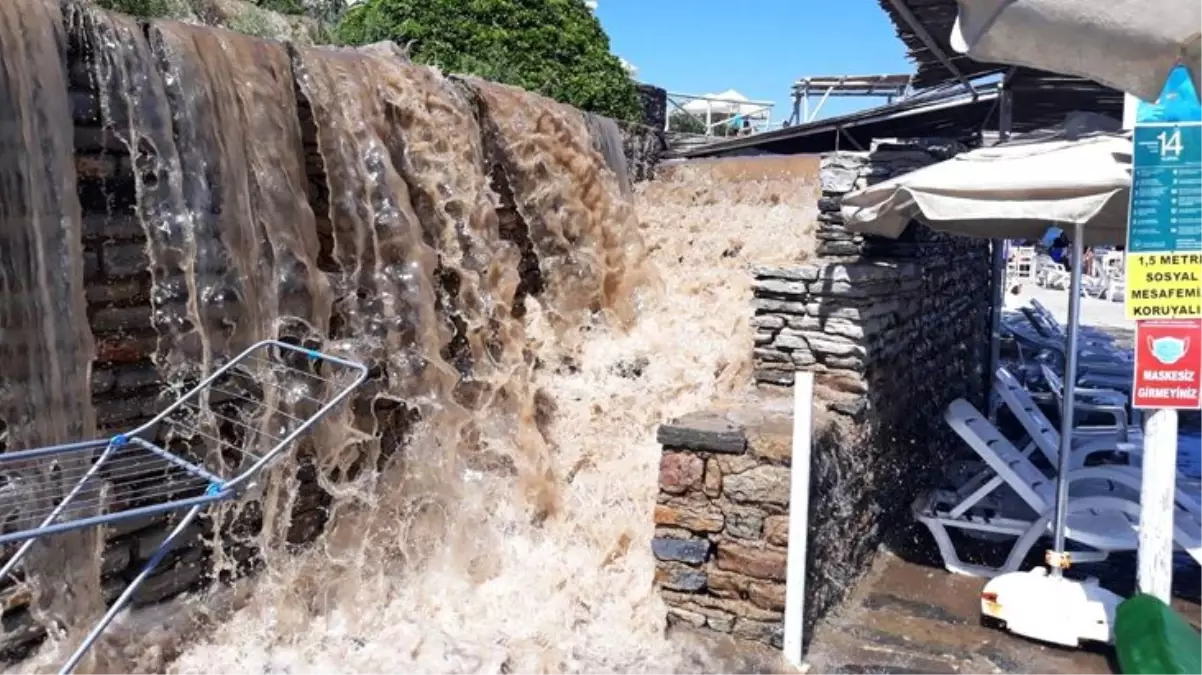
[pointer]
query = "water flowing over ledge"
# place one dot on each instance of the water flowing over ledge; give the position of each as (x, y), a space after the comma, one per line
(480, 506)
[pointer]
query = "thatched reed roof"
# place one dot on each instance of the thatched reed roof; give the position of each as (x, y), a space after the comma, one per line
(925, 27)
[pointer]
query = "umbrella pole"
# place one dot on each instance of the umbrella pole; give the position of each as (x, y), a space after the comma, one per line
(995, 324)
(1056, 559)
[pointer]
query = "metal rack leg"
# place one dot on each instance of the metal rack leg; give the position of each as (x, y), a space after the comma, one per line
(129, 591)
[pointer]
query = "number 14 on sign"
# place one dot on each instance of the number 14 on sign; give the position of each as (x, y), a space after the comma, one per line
(1170, 143)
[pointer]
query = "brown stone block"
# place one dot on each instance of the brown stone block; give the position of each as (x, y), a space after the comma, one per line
(113, 226)
(171, 582)
(121, 319)
(662, 532)
(677, 615)
(124, 349)
(17, 595)
(19, 628)
(776, 530)
(136, 375)
(698, 517)
(753, 559)
(744, 522)
(131, 525)
(713, 478)
(768, 632)
(116, 410)
(116, 558)
(102, 380)
(767, 484)
(710, 613)
(116, 291)
(97, 139)
(679, 577)
(720, 607)
(680, 472)
(101, 167)
(772, 439)
(728, 584)
(768, 596)
(124, 259)
(730, 464)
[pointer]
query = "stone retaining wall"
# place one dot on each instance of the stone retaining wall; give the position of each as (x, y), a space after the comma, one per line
(644, 148)
(721, 521)
(125, 382)
(893, 330)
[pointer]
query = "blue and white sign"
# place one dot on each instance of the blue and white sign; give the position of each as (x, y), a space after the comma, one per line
(1164, 226)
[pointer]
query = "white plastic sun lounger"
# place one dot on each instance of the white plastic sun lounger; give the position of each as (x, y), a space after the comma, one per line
(1126, 427)
(1041, 431)
(1046, 439)
(1055, 277)
(1097, 353)
(1096, 366)
(1093, 354)
(1051, 325)
(1047, 324)
(1098, 517)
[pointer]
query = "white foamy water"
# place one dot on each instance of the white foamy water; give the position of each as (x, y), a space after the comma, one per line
(498, 590)
(574, 593)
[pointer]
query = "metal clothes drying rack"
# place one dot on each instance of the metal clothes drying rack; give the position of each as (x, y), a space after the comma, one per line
(206, 447)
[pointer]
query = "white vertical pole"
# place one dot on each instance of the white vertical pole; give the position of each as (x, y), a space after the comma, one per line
(799, 515)
(1158, 486)
(1130, 105)
(1158, 490)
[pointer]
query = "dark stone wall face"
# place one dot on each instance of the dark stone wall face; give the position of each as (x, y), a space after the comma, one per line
(654, 102)
(644, 147)
(893, 331)
(125, 382)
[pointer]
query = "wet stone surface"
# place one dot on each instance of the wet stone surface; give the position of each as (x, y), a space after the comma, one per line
(906, 617)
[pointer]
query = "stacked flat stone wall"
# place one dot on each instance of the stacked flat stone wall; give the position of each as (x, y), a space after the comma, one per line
(721, 522)
(893, 330)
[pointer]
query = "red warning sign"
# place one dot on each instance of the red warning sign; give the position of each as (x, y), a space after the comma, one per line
(1168, 364)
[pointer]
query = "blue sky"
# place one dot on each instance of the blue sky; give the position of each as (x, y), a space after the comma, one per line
(759, 47)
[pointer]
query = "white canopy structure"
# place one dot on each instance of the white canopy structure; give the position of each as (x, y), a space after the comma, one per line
(1130, 45)
(729, 102)
(1016, 190)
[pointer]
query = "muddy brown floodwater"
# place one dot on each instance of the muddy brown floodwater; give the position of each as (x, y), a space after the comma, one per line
(528, 325)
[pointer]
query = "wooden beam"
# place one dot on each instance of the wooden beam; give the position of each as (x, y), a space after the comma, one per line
(921, 31)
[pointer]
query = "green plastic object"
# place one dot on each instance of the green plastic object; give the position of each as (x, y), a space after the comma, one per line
(1149, 637)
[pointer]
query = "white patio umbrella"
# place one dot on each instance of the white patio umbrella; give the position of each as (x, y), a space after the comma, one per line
(1130, 45)
(1069, 176)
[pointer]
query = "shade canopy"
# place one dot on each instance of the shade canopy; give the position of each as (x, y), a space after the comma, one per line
(1130, 45)
(1014, 190)
(729, 102)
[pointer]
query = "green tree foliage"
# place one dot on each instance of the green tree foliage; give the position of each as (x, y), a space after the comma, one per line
(554, 47)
